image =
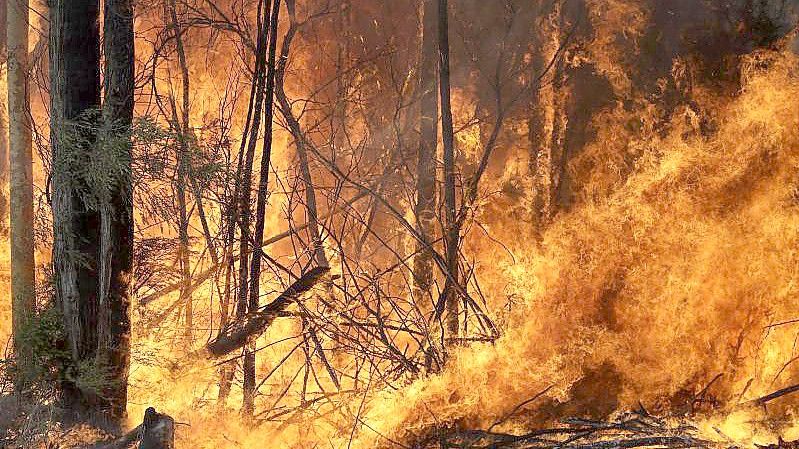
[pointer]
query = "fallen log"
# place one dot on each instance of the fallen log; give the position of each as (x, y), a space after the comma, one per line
(236, 335)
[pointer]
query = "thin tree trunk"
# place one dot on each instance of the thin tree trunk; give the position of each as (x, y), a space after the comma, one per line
(299, 141)
(426, 163)
(21, 161)
(263, 193)
(259, 79)
(452, 234)
(239, 208)
(558, 153)
(117, 212)
(181, 127)
(75, 90)
(4, 160)
(536, 135)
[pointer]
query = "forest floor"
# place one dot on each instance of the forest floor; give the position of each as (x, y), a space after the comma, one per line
(23, 426)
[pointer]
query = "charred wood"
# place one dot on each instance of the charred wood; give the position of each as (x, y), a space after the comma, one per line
(239, 332)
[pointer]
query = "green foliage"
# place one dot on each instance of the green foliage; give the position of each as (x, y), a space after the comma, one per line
(41, 341)
(91, 376)
(44, 361)
(92, 159)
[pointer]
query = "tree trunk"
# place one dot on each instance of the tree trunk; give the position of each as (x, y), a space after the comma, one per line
(558, 151)
(299, 141)
(259, 81)
(263, 193)
(536, 132)
(117, 211)
(180, 124)
(75, 89)
(22, 241)
(4, 161)
(452, 234)
(425, 209)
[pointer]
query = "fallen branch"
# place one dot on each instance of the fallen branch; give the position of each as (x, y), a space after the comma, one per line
(236, 335)
(769, 397)
(630, 430)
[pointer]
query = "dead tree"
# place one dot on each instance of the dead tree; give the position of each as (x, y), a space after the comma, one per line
(244, 215)
(300, 141)
(180, 124)
(449, 297)
(263, 192)
(425, 208)
(4, 161)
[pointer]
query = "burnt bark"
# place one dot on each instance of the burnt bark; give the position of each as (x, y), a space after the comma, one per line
(450, 297)
(4, 160)
(247, 152)
(157, 431)
(75, 91)
(117, 210)
(240, 331)
(426, 159)
(260, 214)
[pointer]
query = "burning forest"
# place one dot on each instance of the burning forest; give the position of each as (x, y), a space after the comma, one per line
(554, 224)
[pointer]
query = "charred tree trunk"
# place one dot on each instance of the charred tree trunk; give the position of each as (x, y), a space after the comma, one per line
(536, 134)
(180, 124)
(245, 215)
(117, 210)
(451, 231)
(21, 161)
(157, 431)
(300, 143)
(263, 193)
(425, 208)
(75, 91)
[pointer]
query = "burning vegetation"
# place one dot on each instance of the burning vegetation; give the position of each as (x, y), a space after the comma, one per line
(566, 224)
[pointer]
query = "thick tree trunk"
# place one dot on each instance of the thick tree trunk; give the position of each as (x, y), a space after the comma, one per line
(452, 233)
(425, 209)
(22, 261)
(75, 89)
(117, 211)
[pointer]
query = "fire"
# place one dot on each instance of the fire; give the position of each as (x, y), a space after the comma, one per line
(656, 268)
